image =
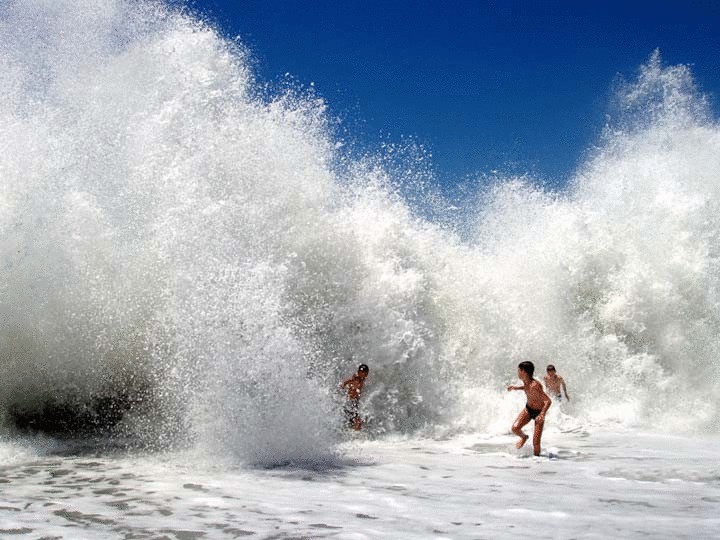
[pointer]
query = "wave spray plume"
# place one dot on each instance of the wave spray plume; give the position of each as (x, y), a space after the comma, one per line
(185, 258)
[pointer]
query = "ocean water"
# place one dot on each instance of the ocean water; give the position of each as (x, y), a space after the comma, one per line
(191, 263)
(606, 484)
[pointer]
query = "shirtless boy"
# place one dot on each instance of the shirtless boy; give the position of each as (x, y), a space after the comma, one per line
(354, 387)
(553, 384)
(537, 405)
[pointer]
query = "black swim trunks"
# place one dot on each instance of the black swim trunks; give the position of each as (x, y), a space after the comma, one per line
(532, 412)
(352, 411)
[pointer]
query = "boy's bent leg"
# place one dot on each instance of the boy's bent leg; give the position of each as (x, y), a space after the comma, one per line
(522, 420)
(537, 435)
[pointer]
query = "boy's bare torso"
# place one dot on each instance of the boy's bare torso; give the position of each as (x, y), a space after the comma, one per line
(535, 394)
(354, 387)
(553, 384)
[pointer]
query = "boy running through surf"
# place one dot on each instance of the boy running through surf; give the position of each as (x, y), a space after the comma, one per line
(354, 387)
(538, 402)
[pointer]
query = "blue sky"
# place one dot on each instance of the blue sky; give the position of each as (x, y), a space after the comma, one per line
(484, 85)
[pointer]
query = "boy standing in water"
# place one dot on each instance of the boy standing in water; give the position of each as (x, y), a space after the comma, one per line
(553, 384)
(354, 387)
(538, 402)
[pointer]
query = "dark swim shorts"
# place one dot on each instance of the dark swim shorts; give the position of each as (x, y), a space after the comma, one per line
(532, 412)
(352, 410)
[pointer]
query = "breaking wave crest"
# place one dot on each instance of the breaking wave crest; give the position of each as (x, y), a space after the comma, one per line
(187, 259)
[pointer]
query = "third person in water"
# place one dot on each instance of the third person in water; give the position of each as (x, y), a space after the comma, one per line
(554, 383)
(537, 405)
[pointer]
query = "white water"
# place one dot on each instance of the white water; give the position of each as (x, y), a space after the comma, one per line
(599, 485)
(210, 261)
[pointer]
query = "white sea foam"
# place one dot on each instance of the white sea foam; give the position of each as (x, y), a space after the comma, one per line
(211, 259)
(626, 484)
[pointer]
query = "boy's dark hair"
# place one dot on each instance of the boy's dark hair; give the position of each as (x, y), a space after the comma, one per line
(364, 368)
(527, 367)
(550, 367)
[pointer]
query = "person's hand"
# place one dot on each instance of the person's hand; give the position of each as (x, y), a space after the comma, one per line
(509, 388)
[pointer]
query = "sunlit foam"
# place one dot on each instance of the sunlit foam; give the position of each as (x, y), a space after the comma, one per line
(210, 261)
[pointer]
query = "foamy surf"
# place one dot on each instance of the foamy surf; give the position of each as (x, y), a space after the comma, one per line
(629, 484)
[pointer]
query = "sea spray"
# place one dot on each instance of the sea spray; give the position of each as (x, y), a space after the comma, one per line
(615, 280)
(178, 252)
(143, 194)
(188, 260)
